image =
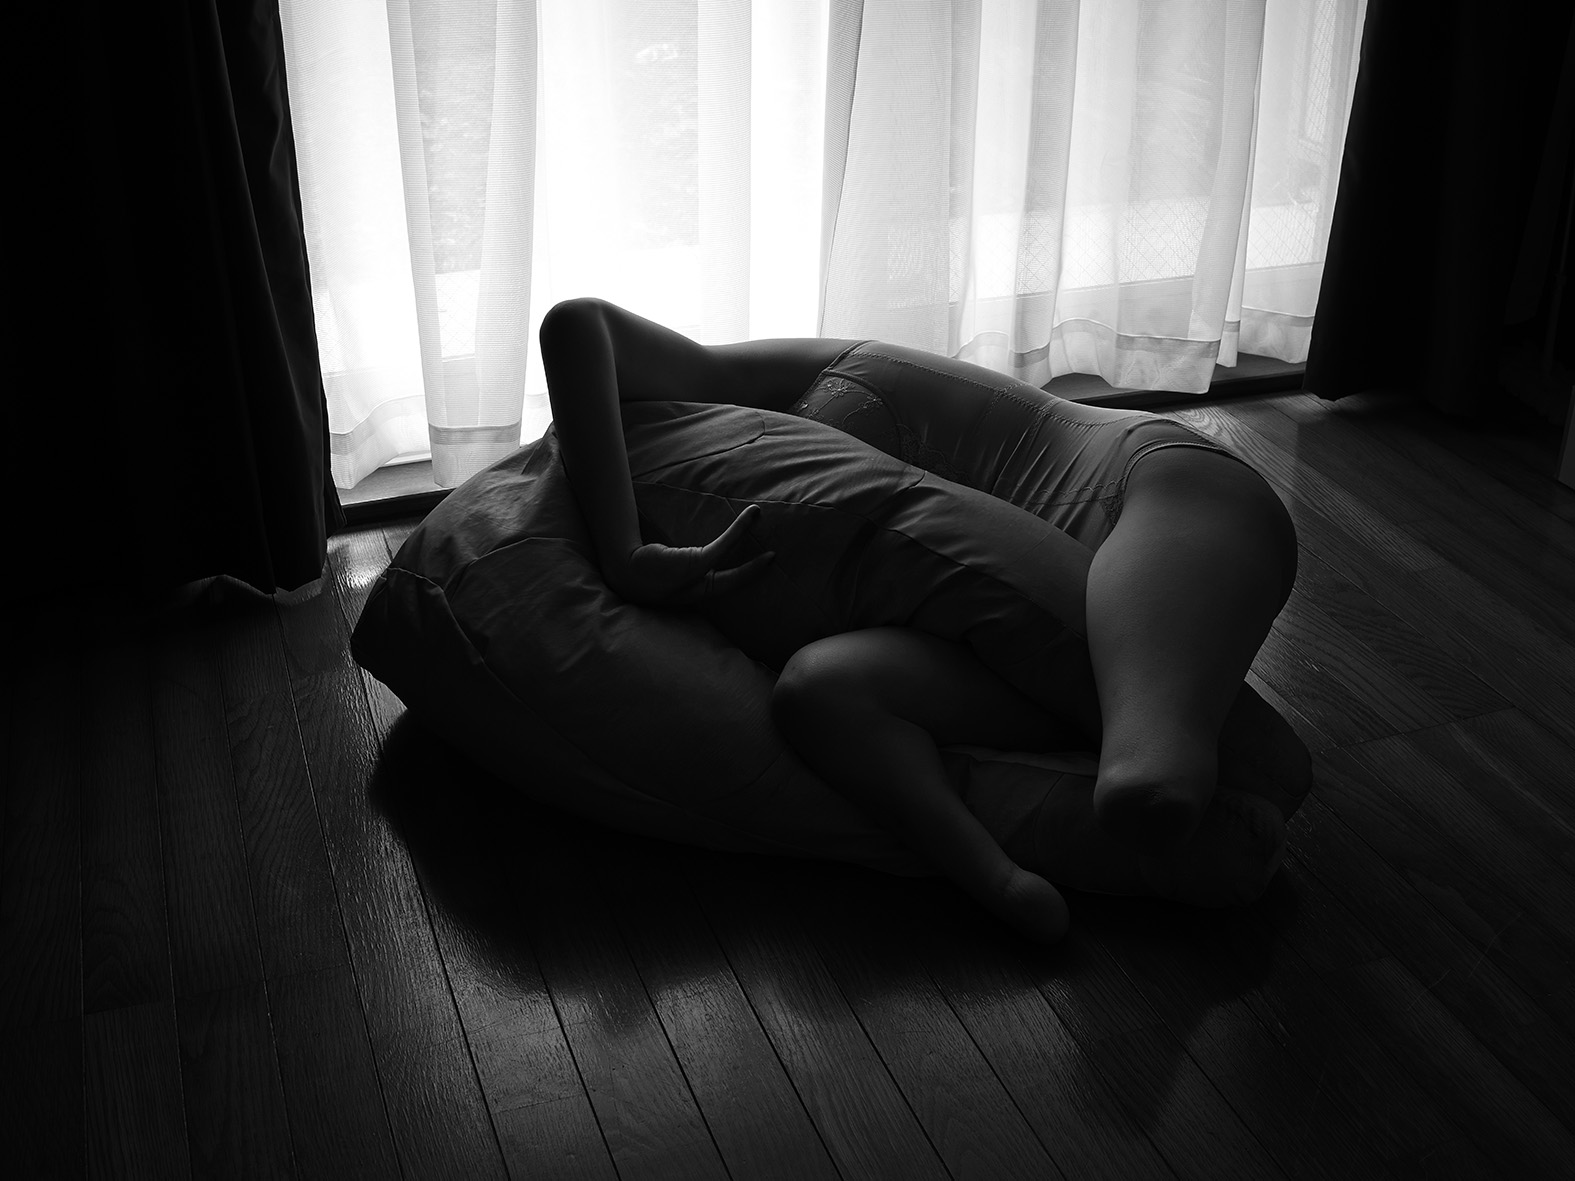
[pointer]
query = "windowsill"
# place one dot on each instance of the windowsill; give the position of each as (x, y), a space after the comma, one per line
(1250, 375)
(406, 489)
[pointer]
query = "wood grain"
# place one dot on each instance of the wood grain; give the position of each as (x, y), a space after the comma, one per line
(1074, 1109)
(1494, 905)
(1378, 900)
(1530, 667)
(125, 942)
(1302, 938)
(1505, 1120)
(1522, 458)
(339, 1125)
(860, 1114)
(1183, 1114)
(1455, 690)
(254, 919)
(967, 1115)
(1518, 770)
(1365, 695)
(131, 1073)
(299, 926)
(40, 892)
(463, 836)
(1465, 521)
(644, 1105)
(1185, 965)
(41, 1110)
(757, 1121)
(1411, 447)
(434, 1101)
(213, 936)
(235, 1115)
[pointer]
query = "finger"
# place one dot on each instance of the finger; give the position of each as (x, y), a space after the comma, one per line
(731, 536)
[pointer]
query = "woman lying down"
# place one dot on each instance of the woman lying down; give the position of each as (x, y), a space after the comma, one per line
(1121, 615)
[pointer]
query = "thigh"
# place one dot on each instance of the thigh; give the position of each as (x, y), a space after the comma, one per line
(1216, 497)
(939, 685)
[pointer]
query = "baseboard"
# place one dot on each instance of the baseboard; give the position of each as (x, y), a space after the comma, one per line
(1250, 376)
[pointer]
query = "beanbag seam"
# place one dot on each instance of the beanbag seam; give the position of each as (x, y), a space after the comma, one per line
(733, 445)
(800, 504)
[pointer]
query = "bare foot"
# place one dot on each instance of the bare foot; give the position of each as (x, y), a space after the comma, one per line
(1032, 905)
(1041, 808)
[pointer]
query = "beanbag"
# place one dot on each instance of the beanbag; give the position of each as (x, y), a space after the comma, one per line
(493, 625)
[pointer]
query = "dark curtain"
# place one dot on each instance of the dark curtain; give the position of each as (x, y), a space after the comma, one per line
(173, 422)
(1448, 231)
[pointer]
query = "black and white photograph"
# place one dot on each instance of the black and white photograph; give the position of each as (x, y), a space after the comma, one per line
(789, 590)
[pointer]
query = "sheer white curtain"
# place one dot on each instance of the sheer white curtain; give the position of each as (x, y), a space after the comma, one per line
(1133, 188)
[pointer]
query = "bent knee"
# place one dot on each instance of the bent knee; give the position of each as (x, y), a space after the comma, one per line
(813, 679)
(843, 673)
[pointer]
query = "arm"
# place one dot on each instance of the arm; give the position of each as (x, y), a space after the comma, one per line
(598, 355)
(582, 385)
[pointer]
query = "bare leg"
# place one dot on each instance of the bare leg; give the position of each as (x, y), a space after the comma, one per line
(1180, 597)
(867, 710)
(841, 703)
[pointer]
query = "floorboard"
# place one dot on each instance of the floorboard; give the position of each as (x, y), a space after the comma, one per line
(42, 1133)
(125, 938)
(256, 920)
(465, 846)
(1368, 897)
(1196, 981)
(212, 931)
(1490, 905)
(966, 1112)
(1076, 1111)
(333, 1095)
(236, 1124)
(41, 893)
(1298, 938)
(857, 1108)
(433, 1097)
(1516, 768)
(760, 1127)
(134, 1122)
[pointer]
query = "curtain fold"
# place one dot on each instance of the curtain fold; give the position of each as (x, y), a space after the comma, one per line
(1455, 172)
(184, 412)
(469, 163)
(1138, 189)
(1133, 189)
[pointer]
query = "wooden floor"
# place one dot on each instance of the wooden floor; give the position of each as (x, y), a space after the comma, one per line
(254, 921)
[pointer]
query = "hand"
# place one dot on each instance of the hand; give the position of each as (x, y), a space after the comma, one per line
(668, 576)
